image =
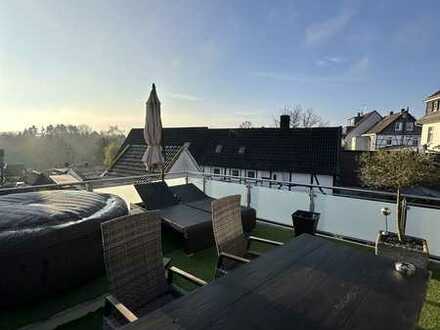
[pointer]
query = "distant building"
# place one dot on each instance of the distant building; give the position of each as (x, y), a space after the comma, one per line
(178, 159)
(36, 178)
(14, 170)
(63, 179)
(86, 172)
(395, 131)
(356, 127)
(302, 155)
(430, 122)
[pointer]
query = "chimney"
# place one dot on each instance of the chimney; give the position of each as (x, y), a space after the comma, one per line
(402, 110)
(391, 113)
(284, 121)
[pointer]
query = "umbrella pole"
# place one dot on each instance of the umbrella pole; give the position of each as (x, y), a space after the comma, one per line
(163, 155)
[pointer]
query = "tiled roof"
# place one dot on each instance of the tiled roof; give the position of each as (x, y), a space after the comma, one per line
(35, 178)
(129, 163)
(387, 121)
(63, 178)
(432, 117)
(367, 115)
(435, 95)
(308, 150)
(88, 172)
(173, 137)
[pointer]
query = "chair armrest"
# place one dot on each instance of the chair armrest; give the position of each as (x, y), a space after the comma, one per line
(166, 262)
(234, 257)
(267, 241)
(190, 277)
(112, 302)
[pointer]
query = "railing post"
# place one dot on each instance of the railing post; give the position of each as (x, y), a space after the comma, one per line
(248, 195)
(204, 184)
(186, 178)
(312, 200)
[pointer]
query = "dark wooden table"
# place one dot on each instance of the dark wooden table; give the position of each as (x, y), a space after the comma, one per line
(310, 283)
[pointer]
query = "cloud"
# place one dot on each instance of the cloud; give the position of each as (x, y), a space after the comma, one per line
(356, 72)
(318, 33)
(326, 61)
(184, 97)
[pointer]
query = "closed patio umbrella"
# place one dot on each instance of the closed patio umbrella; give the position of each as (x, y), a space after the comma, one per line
(153, 158)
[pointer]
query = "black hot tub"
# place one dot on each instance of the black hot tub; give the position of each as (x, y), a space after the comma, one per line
(51, 241)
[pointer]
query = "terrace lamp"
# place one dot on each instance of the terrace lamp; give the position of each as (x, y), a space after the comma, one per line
(386, 212)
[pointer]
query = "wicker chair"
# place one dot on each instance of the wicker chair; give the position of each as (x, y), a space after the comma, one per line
(135, 268)
(232, 244)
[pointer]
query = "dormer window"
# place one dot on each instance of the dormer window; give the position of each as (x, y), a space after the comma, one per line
(410, 126)
(218, 148)
(241, 150)
(435, 105)
(398, 126)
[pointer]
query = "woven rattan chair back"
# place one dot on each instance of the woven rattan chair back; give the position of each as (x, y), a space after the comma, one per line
(133, 258)
(227, 226)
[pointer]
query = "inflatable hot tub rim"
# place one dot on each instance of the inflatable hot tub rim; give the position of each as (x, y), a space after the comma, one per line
(26, 218)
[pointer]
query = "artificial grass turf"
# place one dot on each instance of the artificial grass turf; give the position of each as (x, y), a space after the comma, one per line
(430, 315)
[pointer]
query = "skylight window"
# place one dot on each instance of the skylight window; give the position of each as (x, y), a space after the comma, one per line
(241, 150)
(218, 149)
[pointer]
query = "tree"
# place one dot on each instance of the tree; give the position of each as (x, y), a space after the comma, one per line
(396, 170)
(302, 118)
(54, 145)
(246, 124)
(110, 152)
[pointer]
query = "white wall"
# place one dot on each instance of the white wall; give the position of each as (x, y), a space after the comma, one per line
(435, 135)
(278, 205)
(361, 143)
(184, 163)
(345, 216)
(351, 217)
(362, 128)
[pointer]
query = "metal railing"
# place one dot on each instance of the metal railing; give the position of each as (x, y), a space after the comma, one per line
(248, 183)
(314, 187)
(119, 181)
(96, 183)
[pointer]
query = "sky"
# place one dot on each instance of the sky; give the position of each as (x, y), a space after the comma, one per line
(215, 63)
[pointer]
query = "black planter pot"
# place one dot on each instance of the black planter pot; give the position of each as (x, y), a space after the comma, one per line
(412, 249)
(305, 222)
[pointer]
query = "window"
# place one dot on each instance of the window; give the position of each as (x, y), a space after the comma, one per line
(218, 149)
(410, 126)
(430, 134)
(435, 105)
(413, 142)
(398, 126)
(241, 150)
(251, 174)
(389, 141)
(216, 171)
(235, 173)
(274, 177)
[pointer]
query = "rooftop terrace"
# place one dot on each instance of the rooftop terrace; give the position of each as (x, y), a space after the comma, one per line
(344, 219)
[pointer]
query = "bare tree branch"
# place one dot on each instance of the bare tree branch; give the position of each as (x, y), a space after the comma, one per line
(301, 118)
